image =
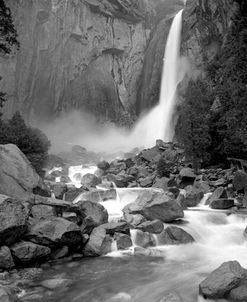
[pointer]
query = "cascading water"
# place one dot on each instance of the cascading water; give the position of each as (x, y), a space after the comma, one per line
(159, 122)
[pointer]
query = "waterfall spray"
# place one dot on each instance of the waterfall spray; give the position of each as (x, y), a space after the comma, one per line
(159, 122)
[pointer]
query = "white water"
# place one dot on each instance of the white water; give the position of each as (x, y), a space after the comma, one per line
(218, 238)
(77, 172)
(159, 122)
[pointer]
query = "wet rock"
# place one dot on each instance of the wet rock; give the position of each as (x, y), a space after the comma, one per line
(238, 294)
(42, 212)
(13, 220)
(90, 181)
(116, 227)
(55, 231)
(56, 283)
(222, 204)
(146, 182)
(155, 226)
(121, 181)
(149, 154)
(103, 165)
(192, 196)
(173, 235)
(99, 243)
(60, 253)
(217, 194)
(155, 205)
(94, 214)
(123, 241)
(6, 260)
(144, 239)
(25, 252)
(222, 280)
(134, 219)
(18, 177)
(72, 193)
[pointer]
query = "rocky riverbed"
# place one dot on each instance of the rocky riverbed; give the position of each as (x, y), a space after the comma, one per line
(40, 234)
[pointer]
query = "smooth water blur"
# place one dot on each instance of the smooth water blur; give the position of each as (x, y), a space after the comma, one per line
(122, 276)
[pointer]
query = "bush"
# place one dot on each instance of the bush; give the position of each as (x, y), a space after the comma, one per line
(31, 141)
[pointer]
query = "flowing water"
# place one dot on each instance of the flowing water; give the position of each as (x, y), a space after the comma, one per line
(123, 276)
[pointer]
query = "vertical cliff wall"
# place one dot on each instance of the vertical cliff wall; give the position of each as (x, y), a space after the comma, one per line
(76, 54)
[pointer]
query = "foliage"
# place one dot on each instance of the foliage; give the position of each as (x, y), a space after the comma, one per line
(209, 132)
(8, 34)
(31, 141)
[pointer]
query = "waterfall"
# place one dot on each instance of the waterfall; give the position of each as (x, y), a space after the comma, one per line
(159, 122)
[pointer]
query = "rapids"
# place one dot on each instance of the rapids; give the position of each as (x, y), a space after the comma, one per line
(122, 276)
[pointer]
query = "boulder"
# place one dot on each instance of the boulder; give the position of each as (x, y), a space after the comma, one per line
(192, 197)
(41, 211)
(123, 241)
(116, 227)
(120, 180)
(17, 176)
(218, 193)
(94, 214)
(240, 181)
(103, 165)
(13, 220)
(26, 252)
(187, 177)
(146, 182)
(155, 226)
(161, 183)
(143, 239)
(99, 243)
(222, 204)
(90, 180)
(173, 235)
(222, 280)
(238, 294)
(6, 260)
(155, 205)
(134, 219)
(72, 193)
(53, 284)
(54, 232)
(60, 253)
(149, 154)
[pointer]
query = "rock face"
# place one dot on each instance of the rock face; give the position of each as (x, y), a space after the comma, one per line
(17, 177)
(79, 54)
(13, 220)
(222, 280)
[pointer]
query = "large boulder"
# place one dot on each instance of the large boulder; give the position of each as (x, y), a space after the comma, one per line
(17, 176)
(155, 205)
(123, 241)
(173, 235)
(192, 196)
(239, 294)
(13, 220)
(6, 260)
(222, 204)
(99, 243)
(55, 231)
(94, 214)
(222, 280)
(27, 252)
(187, 177)
(90, 180)
(220, 192)
(41, 211)
(155, 226)
(144, 239)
